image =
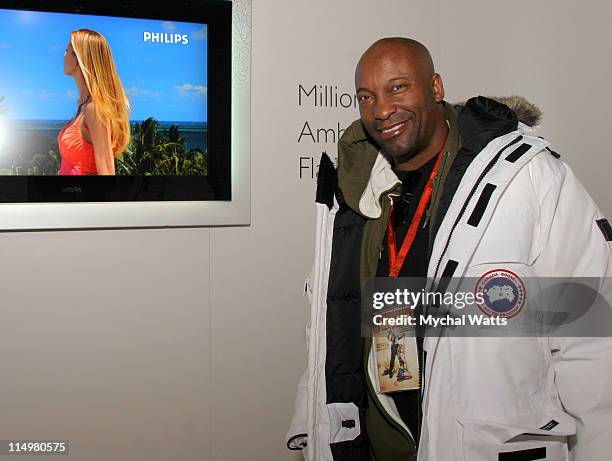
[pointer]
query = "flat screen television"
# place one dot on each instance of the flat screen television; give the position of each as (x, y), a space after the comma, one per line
(124, 113)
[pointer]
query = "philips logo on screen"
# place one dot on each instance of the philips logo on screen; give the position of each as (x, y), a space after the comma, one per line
(163, 37)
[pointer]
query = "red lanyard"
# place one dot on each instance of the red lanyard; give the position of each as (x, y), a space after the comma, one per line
(396, 261)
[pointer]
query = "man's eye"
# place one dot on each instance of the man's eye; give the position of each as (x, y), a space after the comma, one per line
(363, 98)
(398, 87)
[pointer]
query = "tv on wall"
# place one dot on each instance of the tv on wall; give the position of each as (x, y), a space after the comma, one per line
(124, 114)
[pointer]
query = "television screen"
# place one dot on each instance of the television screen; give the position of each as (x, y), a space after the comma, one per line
(114, 102)
(161, 65)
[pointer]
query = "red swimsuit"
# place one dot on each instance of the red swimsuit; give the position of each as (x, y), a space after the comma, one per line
(77, 154)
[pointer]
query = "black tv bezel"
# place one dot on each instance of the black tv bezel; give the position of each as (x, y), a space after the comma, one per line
(216, 186)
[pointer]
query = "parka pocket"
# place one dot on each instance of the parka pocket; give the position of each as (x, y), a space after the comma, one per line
(344, 423)
(520, 438)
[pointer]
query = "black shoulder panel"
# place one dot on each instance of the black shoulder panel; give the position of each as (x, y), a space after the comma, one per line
(553, 153)
(550, 151)
(327, 181)
(605, 228)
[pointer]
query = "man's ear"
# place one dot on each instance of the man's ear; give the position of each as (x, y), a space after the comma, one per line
(437, 87)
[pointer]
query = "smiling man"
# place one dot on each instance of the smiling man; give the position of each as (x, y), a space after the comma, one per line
(424, 189)
(400, 101)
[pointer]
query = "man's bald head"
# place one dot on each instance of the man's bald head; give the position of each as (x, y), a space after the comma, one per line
(401, 100)
(416, 51)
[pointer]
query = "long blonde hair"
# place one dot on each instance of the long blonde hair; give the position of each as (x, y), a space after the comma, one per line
(96, 62)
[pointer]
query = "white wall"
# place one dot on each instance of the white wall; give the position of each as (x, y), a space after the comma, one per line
(104, 341)
(187, 343)
(555, 53)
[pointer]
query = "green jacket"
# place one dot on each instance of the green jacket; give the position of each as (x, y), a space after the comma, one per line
(356, 158)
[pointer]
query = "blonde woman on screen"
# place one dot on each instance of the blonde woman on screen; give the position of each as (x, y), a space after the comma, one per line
(100, 130)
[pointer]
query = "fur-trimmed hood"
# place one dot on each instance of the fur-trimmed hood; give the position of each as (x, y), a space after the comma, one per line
(526, 112)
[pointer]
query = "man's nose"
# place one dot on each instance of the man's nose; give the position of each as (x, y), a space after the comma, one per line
(384, 107)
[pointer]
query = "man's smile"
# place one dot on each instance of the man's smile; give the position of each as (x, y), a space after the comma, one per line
(389, 131)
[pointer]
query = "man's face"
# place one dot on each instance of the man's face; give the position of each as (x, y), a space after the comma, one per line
(398, 101)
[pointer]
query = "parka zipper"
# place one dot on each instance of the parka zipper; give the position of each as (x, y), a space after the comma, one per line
(488, 168)
(484, 172)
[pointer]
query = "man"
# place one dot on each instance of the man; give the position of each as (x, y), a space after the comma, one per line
(423, 189)
(392, 337)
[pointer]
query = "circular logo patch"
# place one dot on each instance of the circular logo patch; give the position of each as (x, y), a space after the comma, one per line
(503, 293)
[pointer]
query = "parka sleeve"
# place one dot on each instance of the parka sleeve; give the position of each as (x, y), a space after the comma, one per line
(297, 436)
(573, 244)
